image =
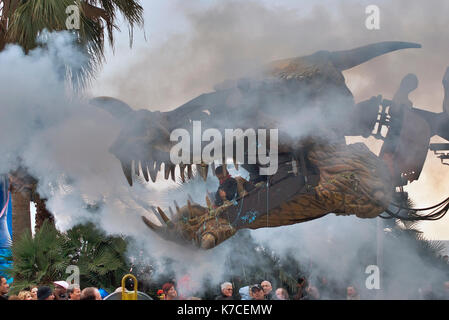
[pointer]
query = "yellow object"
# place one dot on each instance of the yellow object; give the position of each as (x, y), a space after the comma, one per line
(129, 295)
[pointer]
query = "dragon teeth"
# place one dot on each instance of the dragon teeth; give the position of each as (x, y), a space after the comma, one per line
(172, 172)
(127, 170)
(202, 170)
(136, 167)
(145, 171)
(181, 170)
(167, 171)
(189, 171)
(152, 168)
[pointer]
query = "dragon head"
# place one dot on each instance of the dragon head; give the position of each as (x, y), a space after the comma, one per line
(144, 141)
(144, 138)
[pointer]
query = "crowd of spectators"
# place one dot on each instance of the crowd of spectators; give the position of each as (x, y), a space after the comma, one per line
(320, 289)
(61, 291)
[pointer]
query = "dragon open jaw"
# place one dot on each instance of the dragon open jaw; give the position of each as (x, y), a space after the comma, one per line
(150, 170)
(341, 179)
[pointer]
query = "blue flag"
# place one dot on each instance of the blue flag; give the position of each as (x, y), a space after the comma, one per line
(5, 223)
(5, 216)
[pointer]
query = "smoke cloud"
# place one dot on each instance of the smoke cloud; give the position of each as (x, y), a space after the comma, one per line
(228, 40)
(64, 142)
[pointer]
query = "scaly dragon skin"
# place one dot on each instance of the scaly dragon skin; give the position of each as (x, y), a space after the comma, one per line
(352, 179)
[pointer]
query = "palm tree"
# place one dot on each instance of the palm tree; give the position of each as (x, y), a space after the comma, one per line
(21, 185)
(39, 260)
(21, 23)
(101, 259)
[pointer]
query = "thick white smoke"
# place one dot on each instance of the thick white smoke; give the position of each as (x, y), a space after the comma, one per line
(64, 142)
(231, 39)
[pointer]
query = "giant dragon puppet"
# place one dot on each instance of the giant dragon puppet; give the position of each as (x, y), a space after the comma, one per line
(318, 173)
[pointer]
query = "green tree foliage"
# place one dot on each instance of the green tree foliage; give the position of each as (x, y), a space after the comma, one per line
(43, 259)
(101, 258)
(39, 260)
(22, 22)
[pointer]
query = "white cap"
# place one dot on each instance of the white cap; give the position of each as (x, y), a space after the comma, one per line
(63, 284)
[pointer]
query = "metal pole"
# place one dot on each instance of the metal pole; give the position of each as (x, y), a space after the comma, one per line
(379, 260)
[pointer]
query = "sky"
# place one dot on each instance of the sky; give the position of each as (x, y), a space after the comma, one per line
(181, 54)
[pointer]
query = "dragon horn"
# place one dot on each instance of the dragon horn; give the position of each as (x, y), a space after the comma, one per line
(189, 205)
(176, 206)
(150, 224)
(163, 215)
(343, 60)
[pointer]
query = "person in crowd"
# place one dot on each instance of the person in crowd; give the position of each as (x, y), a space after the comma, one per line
(33, 292)
(4, 288)
(268, 290)
(328, 289)
(45, 293)
(160, 294)
(103, 293)
(74, 292)
(60, 292)
(90, 293)
(446, 290)
(352, 294)
(313, 293)
(257, 292)
(25, 295)
(426, 292)
(301, 286)
(441, 291)
(226, 292)
(245, 293)
(169, 291)
(14, 297)
(281, 294)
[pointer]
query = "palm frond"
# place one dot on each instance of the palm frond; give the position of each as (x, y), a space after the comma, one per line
(29, 23)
